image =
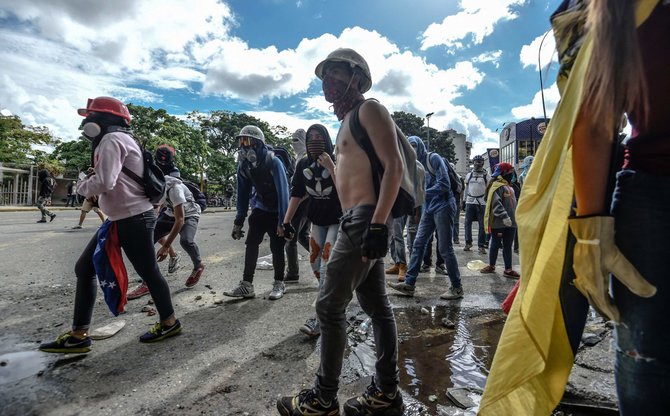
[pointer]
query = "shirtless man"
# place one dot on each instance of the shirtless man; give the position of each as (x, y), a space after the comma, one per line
(356, 262)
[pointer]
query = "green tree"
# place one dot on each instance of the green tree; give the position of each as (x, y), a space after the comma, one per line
(410, 124)
(413, 125)
(18, 141)
(154, 127)
(75, 155)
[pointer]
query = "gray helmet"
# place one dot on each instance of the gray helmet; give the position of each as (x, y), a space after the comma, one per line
(354, 60)
(252, 131)
(478, 158)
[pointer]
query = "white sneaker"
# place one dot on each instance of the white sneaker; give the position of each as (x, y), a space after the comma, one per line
(173, 264)
(278, 289)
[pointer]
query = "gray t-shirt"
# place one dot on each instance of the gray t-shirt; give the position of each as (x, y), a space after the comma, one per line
(178, 194)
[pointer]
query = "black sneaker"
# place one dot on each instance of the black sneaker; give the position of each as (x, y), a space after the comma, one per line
(425, 268)
(66, 343)
(51, 217)
(374, 402)
(42, 220)
(439, 269)
(307, 403)
(159, 332)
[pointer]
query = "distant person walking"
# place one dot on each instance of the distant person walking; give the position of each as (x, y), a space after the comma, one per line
(47, 185)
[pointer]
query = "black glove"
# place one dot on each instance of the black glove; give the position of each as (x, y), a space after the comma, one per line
(376, 241)
(289, 231)
(238, 233)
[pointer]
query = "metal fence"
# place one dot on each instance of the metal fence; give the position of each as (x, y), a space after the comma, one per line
(17, 185)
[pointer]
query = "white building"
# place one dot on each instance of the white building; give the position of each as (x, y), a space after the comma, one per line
(462, 148)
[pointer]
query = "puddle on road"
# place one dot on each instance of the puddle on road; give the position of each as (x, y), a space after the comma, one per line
(15, 366)
(433, 358)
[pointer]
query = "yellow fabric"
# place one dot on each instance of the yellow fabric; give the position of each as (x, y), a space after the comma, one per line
(534, 358)
(499, 182)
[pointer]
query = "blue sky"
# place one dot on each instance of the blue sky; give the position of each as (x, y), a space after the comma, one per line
(471, 62)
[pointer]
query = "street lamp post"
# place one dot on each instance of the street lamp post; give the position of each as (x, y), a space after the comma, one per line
(428, 116)
(539, 66)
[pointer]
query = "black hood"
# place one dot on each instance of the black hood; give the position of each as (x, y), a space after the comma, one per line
(324, 133)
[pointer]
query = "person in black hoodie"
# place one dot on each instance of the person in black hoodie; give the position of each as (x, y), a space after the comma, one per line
(47, 185)
(315, 180)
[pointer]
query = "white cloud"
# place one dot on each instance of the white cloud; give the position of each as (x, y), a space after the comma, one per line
(529, 53)
(493, 57)
(70, 55)
(471, 25)
(534, 109)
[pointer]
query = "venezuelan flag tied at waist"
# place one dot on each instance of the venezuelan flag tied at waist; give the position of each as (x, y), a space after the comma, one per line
(109, 267)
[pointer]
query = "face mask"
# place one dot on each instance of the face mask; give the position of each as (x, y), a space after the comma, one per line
(334, 89)
(91, 129)
(315, 147)
(509, 177)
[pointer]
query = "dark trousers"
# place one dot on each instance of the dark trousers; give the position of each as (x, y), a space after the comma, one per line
(302, 226)
(136, 236)
(186, 235)
(502, 237)
(428, 255)
(261, 223)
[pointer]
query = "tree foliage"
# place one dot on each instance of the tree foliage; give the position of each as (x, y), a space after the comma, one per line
(18, 141)
(413, 125)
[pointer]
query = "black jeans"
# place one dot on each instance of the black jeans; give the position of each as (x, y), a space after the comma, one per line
(136, 235)
(260, 223)
(302, 226)
(502, 237)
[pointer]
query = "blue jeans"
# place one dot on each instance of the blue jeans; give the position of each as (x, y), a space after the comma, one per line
(475, 212)
(502, 237)
(642, 367)
(443, 222)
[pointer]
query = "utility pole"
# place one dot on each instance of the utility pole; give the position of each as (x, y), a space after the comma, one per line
(428, 116)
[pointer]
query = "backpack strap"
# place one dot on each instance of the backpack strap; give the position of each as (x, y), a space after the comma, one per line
(133, 175)
(363, 140)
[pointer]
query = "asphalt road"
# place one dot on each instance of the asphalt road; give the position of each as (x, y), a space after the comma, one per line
(235, 357)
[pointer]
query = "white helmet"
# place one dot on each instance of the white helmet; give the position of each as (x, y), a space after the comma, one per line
(355, 60)
(252, 131)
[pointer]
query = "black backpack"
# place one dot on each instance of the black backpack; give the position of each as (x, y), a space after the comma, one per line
(153, 180)
(198, 196)
(405, 202)
(286, 158)
(454, 179)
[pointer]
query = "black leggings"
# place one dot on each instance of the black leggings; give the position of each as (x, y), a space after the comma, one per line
(136, 236)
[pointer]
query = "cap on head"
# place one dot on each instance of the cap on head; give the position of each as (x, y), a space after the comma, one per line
(164, 154)
(252, 131)
(354, 59)
(106, 105)
(502, 168)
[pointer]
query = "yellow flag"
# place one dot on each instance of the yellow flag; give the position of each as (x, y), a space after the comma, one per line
(534, 356)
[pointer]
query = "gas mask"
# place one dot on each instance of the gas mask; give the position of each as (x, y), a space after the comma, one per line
(249, 154)
(91, 129)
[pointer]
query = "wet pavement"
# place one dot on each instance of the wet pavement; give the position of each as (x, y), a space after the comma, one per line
(232, 350)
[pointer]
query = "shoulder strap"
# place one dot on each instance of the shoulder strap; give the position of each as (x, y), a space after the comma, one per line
(363, 140)
(133, 175)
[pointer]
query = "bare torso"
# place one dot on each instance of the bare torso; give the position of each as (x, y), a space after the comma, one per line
(354, 176)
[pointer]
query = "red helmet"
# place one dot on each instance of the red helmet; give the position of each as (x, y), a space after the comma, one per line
(106, 105)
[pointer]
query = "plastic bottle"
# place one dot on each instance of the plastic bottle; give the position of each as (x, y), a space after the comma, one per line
(363, 328)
